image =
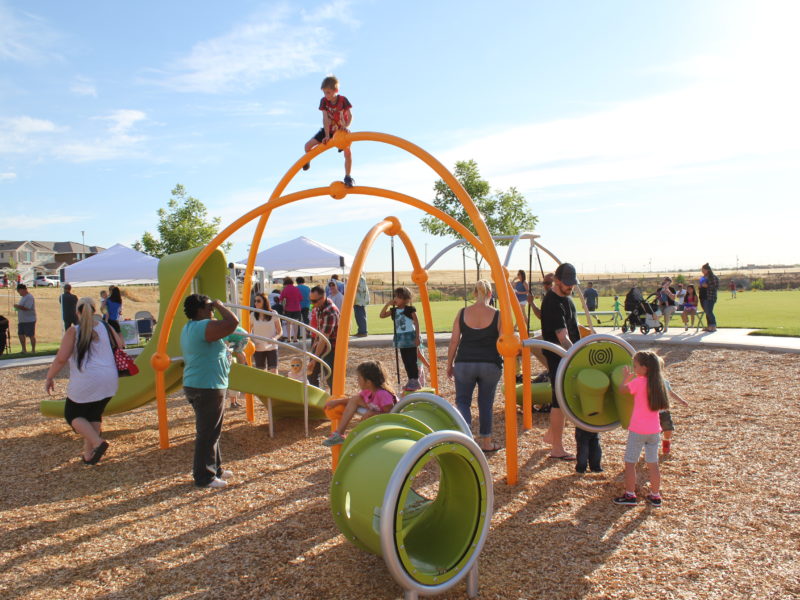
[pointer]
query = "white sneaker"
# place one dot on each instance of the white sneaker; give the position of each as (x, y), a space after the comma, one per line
(217, 483)
(225, 475)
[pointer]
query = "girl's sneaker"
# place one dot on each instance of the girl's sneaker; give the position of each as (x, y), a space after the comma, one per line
(627, 499)
(654, 500)
(333, 439)
(349, 181)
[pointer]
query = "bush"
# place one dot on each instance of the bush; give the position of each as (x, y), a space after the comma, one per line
(680, 278)
(757, 284)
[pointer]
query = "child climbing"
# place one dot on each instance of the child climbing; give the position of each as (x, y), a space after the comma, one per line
(336, 115)
(236, 342)
(376, 397)
(406, 333)
(647, 385)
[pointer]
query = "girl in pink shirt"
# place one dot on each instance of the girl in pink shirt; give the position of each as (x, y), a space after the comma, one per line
(376, 397)
(649, 390)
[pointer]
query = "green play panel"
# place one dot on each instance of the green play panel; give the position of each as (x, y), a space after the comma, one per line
(584, 392)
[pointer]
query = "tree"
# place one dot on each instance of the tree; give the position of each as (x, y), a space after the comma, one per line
(505, 213)
(184, 224)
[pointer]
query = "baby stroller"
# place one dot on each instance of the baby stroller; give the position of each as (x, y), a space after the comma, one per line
(5, 339)
(642, 312)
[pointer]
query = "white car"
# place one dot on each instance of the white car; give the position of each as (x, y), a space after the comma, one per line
(46, 281)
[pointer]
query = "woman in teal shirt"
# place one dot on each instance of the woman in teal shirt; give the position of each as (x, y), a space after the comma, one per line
(205, 381)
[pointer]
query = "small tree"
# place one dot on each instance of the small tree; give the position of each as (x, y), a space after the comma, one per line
(505, 213)
(183, 225)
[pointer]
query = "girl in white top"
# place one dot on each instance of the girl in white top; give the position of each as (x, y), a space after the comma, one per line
(93, 377)
(266, 326)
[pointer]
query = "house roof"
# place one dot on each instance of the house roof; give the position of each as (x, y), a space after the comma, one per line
(57, 247)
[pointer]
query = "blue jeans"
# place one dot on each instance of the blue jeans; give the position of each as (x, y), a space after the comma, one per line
(361, 319)
(708, 306)
(485, 375)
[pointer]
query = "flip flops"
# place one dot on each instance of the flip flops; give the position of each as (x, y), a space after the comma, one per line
(97, 454)
(491, 450)
(566, 456)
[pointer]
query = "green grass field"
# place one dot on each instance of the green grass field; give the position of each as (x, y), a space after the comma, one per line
(776, 312)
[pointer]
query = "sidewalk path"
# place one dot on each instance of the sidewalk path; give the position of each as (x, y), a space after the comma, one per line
(737, 339)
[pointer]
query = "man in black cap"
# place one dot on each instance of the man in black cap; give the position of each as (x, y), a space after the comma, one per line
(559, 326)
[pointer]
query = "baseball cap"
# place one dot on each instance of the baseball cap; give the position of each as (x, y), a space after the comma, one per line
(565, 273)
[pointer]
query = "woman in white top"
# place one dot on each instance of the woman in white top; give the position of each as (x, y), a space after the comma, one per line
(266, 354)
(93, 377)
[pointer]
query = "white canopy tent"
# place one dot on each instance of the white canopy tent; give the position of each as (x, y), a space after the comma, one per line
(303, 256)
(118, 265)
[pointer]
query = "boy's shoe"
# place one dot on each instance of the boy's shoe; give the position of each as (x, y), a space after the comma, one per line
(349, 181)
(654, 500)
(225, 475)
(580, 469)
(597, 470)
(333, 439)
(217, 483)
(665, 444)
(306, 166)
(626, 499)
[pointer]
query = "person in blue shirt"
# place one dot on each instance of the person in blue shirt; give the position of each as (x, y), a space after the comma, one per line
(205, 381)
(305, 303)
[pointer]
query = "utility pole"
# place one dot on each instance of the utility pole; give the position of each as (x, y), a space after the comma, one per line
(83, 243)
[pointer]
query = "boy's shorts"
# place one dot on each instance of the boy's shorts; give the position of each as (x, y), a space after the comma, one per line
(666, 421)
(637, 441)
(321, 136)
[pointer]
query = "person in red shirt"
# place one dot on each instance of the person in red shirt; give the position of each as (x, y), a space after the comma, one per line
(336, 115)
(291, 298)
(327, 318)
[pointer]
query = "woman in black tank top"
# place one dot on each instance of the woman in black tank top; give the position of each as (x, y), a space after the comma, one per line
(473, 360)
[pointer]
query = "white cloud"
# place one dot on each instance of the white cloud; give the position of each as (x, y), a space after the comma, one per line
(338, 10)
(25, 37)
(269, 47)
(7, 176)
(19, 135)
(83, 87)
(117, 141)
(37, 221)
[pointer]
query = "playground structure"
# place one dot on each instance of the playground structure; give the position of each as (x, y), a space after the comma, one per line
(429, 544)
(508, 343)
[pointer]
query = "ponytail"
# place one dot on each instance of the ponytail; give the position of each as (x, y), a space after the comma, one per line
(86, 323)
(657, 397)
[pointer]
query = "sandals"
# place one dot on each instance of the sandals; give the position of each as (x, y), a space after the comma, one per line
(566, 456)
(492, 449)
(97, 454)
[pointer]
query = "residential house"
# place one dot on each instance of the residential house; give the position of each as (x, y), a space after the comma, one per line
(31, 258)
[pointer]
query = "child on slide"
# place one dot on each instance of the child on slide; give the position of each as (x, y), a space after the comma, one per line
(336, 115)
(376, 397)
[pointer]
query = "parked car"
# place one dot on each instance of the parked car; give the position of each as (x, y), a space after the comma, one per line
(46, 281)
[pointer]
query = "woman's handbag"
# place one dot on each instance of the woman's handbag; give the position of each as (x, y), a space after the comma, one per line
(125, 364)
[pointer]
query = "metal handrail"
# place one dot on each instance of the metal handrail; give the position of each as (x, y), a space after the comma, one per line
(304, 326)
(325, 369)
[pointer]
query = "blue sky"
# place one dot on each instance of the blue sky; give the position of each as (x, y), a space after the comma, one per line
(640, 132)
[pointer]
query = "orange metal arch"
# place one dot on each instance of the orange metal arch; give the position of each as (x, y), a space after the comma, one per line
(508, 343)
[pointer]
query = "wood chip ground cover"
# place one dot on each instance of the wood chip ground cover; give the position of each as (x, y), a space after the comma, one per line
(135, 527)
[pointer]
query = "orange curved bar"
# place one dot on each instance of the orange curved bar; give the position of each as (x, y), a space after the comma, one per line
(522, 327)
(506, 344)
